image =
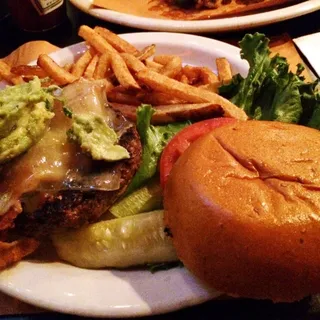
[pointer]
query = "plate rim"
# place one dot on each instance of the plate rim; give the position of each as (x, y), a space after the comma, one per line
(203, 294)
(200, 26)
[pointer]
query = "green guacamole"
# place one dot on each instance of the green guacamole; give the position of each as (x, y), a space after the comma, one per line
(96, 138)
(25, 112)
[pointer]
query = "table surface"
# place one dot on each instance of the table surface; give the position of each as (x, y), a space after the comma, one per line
(11, 38)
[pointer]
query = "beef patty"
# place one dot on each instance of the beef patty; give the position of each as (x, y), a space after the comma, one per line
(74, 208)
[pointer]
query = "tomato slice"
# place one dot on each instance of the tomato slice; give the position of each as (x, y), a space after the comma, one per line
(181, 141)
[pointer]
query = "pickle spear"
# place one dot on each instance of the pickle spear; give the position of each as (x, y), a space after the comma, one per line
(146, 198)
(119, 243)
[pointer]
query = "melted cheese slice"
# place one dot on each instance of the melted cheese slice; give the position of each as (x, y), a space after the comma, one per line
(54, 163)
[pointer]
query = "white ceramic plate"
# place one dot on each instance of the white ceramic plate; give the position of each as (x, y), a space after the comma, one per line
(104, 293)
(199, 26)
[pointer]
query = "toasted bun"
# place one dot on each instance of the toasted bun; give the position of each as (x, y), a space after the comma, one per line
(243, 207)
(29, 52)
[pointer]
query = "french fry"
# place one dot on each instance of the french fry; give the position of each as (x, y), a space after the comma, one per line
(95, 40)
(170, 86)
(224, 70)
(5, 73)
(207, 76)
(56, 72)
(122, 72)
(25, 70)
(199, 75)
(120, 88)
(188, 93)
(132, 62)
(88, 74)
(147, 52)
(68, 67)
(122, 95)
(123, 98)
(192, 73)
(184, 79)
(103, 66)
(153, 65)
(163, 58)
(128, 110)
(81, 64)
(213, 87)
(172, 68)
(173, 113)
(181, 112)
(157, 98)
(118, 43)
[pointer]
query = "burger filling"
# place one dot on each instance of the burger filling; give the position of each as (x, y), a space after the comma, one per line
(48, 144)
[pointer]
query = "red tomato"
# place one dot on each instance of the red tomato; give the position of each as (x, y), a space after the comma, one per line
(181, 141)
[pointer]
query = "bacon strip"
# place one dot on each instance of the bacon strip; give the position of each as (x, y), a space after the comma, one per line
(7, 220)
(13, 252)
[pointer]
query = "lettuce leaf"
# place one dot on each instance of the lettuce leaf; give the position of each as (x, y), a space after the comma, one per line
(314, 101)
(270, 91)
(153, 139)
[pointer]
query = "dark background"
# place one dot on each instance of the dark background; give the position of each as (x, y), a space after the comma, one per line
(11, 38)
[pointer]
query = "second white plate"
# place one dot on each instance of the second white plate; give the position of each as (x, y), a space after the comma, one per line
(200, 26)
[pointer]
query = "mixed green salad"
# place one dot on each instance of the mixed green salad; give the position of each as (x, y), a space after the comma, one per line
(135, 235)
(270, 91)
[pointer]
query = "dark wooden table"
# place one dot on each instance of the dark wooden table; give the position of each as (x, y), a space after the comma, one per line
(11, 38)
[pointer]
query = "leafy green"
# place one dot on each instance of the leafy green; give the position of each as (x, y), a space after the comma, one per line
(68, 112)
(153, 139)
(270, 91)
(314, 120)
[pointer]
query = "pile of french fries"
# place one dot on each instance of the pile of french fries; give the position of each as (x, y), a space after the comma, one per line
(132, 76)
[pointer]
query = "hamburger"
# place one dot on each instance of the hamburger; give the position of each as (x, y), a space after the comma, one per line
(242, 205)
(66, 168)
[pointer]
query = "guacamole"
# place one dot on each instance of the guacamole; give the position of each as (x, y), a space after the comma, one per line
(96, 138)
(25, 112)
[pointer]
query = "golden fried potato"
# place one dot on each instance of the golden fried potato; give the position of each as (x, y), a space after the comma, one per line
(123, 98)
(173, 113)
(224, 70)
(25, 70)
(89, 72)
(122, 72)
(188, 93)
(172, 68)
(117, 42)
(6, 74)
(163, 58)
(103, 66)
(81, 64)
(95, 40)
(56, 72)
(133, 63)
(147, 52)
(153, 65)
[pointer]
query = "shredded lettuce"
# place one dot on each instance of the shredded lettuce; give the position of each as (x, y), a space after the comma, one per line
(270, 91)
(153, 139)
